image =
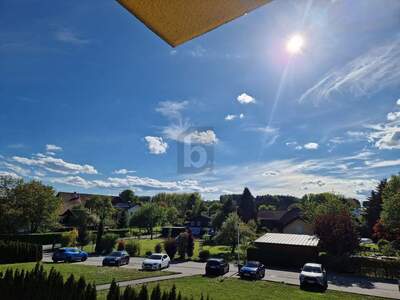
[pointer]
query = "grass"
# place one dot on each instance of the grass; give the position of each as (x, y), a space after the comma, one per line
(98, 275)
(244, 290)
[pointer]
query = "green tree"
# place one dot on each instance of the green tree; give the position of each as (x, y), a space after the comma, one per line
(374, 206)
(247, 208)
(102, 208)
(266, 207)
(390, 214)
(128, 196)
(171, 216)
(10, 220)
(228, 234)
(147, 216)
(80, 219)
(122, 221)
(183, 240)
(38, 205)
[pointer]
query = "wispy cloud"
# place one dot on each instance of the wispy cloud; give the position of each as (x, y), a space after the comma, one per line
(376, 69)
(172, 109)
(383, 163)
(53, 148)
(66, 35)
(232, 117)
(311, 146)
(123, 171)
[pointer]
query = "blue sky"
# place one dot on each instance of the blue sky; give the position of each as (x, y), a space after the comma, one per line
(92, 101)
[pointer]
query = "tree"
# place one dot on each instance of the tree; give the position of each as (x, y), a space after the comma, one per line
(170, 246)
(228, 235)
(182, 244)
(247, 207)
(80, 219)
(147, 216)
(190, 244)
(390, 214)
(38, 206)
(265, 207)
(102, 208)
(10, 220)
(374, 206)
(128, 196)
(171, 216)
(336, 232)
(122, 221)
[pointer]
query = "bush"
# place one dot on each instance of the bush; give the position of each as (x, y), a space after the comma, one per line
(170, 246)
(148, 253)
(121, 245)
(69, 238)
(49, 238)
(14, 252)
(382, 243)
(204, 255)
(133, 248)
(396, 244)
(120, 232)
(388, 250)
(158, 248)
(108, 242)
(36, 284)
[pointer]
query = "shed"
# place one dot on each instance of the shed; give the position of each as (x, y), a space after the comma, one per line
(288, 250)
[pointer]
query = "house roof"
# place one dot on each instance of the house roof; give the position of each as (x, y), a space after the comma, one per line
(288, 239)
(177, 21)
(70, 200)
(283, 217)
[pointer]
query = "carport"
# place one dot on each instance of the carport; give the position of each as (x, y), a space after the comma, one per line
(287, 250)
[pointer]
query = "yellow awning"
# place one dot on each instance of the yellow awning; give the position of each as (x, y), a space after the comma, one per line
(177, 21)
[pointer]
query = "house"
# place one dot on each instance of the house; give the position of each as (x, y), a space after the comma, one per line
(282, 249)
(199, 225)
(284, 221)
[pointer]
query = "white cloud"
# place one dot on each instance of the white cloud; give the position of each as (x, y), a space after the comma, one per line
(398, 102)
(383, 163)
(241, 116)
(16, 169)
(156, 145)
(385, 136)
(294, 145)
(55, 165)
(311, 146)
(171, 109)
(376, 69)
(53, 148)
(123, 171)
(245, 99)
(206, 137)
(10, 174)
(67, 36)
(393, 116)
(230, 117)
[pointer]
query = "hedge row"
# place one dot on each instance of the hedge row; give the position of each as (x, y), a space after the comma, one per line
(49, 238)
(361, 265)
(14, 252)
(37, 284)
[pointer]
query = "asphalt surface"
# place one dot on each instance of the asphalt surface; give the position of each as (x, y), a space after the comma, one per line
(350, 284)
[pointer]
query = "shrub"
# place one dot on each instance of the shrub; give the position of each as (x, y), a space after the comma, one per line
(170, 246)
(69, 238)
(388, 250)
(133, 248)
(121, 245)
(14, 252)
(108, 242)
(49, 238)
(182, 244)
(148, 253)
(158, 248)
(396, 244)
(204, 255)
(37, 284)
(382, 243)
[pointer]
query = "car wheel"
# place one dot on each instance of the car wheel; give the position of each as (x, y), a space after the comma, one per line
(84, 258)
(301, 286)
(127, 261)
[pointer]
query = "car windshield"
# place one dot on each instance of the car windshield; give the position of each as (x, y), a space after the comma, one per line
(155, 256)
(213, 263)
(116, 254)
(252, 264)
(312, 269)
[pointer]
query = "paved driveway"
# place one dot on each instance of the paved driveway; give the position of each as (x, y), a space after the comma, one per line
(350, 284)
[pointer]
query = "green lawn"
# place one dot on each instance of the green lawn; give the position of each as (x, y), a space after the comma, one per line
(98, 275)
(246, 290)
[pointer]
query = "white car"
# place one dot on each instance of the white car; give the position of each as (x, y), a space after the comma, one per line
(313, 274)
(156, 261)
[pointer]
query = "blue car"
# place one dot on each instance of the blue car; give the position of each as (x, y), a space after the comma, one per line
(253, 270)
(69, 255)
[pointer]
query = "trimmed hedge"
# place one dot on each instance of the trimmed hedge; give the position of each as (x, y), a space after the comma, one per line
(49, 238)
(15, 252)
(361, 265)
(37, 284)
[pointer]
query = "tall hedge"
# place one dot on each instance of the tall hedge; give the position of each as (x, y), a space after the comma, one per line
(14, 252)
(50, 238)
(37, 284)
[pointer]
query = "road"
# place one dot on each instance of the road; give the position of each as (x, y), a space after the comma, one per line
(350, 284)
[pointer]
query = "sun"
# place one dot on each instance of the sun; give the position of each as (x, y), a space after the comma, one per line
(295, 44)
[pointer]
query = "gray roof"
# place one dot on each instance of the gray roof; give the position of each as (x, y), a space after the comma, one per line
(288, 239)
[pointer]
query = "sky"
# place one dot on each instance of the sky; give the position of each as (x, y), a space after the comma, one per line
(94, 102)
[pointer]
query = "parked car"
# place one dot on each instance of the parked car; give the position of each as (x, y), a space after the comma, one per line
(156, 261)
(216, 266)
(69, 255)
(313, 274)
(364, 241)
(252, 269)
(116, 258)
